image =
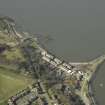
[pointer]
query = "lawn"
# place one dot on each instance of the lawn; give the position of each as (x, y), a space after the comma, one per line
(5, 38)
(10, 84)
(14, 54)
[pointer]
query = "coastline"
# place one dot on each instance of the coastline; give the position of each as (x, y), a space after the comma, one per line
(96, 65)
(92, 77)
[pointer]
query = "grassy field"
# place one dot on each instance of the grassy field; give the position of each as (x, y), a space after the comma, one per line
(14, 54)
(10, 84)
(5, 38)
(10, 81)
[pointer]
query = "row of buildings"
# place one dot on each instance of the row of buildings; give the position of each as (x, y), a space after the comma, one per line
(68, 68)
(32, 95)
(24, 97)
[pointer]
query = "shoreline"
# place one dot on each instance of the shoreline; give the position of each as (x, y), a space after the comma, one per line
(90, 92)
(95, 68)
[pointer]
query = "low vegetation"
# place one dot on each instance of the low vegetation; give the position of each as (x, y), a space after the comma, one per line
(11, 83)
(13, 54)
(11, 80)
(5, 38)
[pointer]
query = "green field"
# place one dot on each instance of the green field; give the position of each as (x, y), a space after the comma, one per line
(5, 38)
(14, 54)
(10, 81)
(10, 84)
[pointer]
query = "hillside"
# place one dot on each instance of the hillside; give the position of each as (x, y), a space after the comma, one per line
(12, 64)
